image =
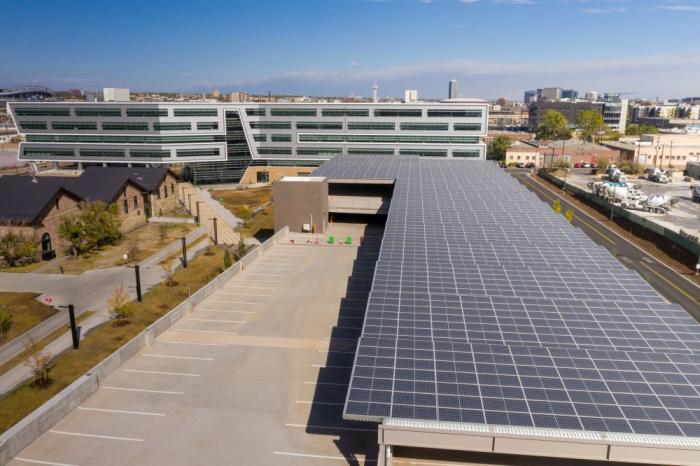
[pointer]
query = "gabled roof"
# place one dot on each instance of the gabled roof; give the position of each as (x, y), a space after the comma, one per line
(25, 200)
(146, 178)
(93, 189)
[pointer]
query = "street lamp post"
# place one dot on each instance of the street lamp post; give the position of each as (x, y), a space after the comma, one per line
(197, 218)
(137, 273)
(216, 230)
(184, 252)
(73, 325)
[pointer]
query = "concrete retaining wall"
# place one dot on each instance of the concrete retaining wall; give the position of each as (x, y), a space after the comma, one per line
(19, 436)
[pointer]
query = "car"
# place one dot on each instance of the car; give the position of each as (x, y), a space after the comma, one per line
(594, 165)
(520, 164)
(578, 165)
(586, 165)
(530, 165)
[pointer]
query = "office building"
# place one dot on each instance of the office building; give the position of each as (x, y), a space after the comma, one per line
(220, 140)
(116, 94)
(530, 97)
(410, 95)
(452, 92)
(614, 114)
(570, 94)
(549, 93)
(592, 96)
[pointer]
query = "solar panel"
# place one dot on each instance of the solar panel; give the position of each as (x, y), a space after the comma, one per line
(488, 308)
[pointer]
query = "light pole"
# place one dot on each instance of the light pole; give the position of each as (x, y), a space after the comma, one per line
(184, 252)
(196, 218)
(137, 273)
(73, 326)
(216, 230)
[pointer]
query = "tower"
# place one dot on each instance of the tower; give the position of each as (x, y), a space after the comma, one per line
(375, 93)
(453, 89)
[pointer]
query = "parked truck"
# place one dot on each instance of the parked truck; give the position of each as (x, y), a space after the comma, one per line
(657, 175)
(628, 196)
(615, 174)
(695, 189)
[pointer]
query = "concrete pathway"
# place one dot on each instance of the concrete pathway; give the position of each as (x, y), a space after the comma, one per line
(88, 291)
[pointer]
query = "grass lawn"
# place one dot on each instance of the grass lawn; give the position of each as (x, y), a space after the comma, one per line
(23, 268)
(26, 312)
(105, 339)
(141, 243)
(179, 212)
(241, 201)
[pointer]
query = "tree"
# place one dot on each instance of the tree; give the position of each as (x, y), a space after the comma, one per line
(97, 224)
(498, 146)
(569, 215)
(556, 206)
(39, 362)
(636, 130)
(5, 322)
(16, 249)
(590, 123)
(603, 164)
(241, 250)
(119, 307)
(227, 258)
(554, 127)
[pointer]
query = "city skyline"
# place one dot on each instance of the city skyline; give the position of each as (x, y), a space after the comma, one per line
(314, 47)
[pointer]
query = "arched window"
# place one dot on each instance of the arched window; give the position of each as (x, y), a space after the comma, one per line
(126, 206)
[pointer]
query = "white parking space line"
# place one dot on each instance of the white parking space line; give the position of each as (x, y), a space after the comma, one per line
(202, 331)
(326, 403)
(168, 356)
(236, 293)
(217, 320)
(255, 280)
(323, 457)
(163, 392)
(224, 310)
(107, 437)
(249, 286)
(235, 302)
(349, 429)
(266, 274)
(119, 411)
(192, 343)
(140, 371)
(27, 460)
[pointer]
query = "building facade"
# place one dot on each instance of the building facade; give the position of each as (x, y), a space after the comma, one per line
(220, 140)
(615, 114)
(452, 91)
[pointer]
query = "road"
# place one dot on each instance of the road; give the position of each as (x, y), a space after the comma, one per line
(671, 284)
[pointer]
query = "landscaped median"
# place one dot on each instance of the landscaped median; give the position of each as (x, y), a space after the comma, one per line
(76, 374)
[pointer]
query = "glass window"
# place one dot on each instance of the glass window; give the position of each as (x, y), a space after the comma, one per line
(100, 139)
(79, 125)
(372, 126)
(149, 153)
(454, 113)
(319, 150)
(255, 111)
(263, 177)
(466, 153)
(467, 126)
(183, 126)
(112, 126)
(425, 126)
(126, 206)
(196, 112)
(281, 137)
(48, 152)
(270, 125)
(147, 112)
(136, 202)
(313, 125)
(293, 112)
(388, 138)
(198, 152)
(370, 151)
(207, 125)
(398, 112)
(275, 150)
(32, 124)
(96, 111)
(260, 137)
(425, 152)
(359, 112)
(42, 111)
(101, 153)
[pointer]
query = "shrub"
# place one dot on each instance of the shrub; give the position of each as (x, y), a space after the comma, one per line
(39, 362)
(631, 168)
(96, 225)
(556, 206)
(119, 307)
(227, 258)
(569, 215)
(5, 322)
(18, 250)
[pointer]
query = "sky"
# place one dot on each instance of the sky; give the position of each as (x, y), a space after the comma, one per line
(494, 48)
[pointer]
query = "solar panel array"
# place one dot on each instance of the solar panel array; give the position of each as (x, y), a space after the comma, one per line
(489, 308)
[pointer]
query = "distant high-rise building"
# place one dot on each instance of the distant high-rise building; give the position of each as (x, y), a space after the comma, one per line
(215, 93)
(592, 96)
(549, 93)
(530, 97)
(410, 95)
(239, 97)
(453, 89)
(569, 94)
(375, 92)
(116, 94)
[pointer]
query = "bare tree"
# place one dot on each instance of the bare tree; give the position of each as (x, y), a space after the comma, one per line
(39, 362)
(119, 306)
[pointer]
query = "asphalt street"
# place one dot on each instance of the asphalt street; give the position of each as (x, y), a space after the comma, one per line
(671, 284)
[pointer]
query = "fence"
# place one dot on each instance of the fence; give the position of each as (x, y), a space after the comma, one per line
(19, 436)
(643, 222)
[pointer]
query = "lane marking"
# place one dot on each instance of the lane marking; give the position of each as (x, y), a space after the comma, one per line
(631, 243)
(27, 460)
(648, 267)
(107, 437)
(163, 392)
(349, 429)
(327, 403)
(203, 331)
(224, 310)
(217, 320)
(244, 294)
(235, 302)
(119, 411)
(249, 286)
(349, 459)
(168, 356)
(266, 274)
(140, 371)
(193, 343)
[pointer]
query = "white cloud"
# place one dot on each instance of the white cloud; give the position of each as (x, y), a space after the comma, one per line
(678, 7)
(468, 2)
(603, 11)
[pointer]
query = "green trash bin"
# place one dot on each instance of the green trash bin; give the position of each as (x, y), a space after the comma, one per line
(348, 240)
(331, 240)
